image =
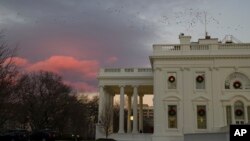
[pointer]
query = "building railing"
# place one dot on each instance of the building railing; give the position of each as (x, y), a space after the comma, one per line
(158, 48)
(126, 70)
(112, 70)
(144, 70)
(199, 47)
(234, 46)
(165, 47)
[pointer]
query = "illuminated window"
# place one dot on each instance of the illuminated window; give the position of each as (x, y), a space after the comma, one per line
(172, 116)
(201, 117)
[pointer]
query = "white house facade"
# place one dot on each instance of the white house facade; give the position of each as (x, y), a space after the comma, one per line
(199, 89)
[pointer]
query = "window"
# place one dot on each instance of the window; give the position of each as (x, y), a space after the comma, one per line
(171, 80)
(227, 84)
(239, 112)
(237, 80)
(200, 80)
(201, 117)
(229, 114)
(172, 116)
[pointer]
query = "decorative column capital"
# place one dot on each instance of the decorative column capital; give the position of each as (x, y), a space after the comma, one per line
(184, 69)
(181, 68)
(141, 95)
(129, 94)
(101, 86)
(187, 68)
(121, 86)
(216, 68)
(135, 86)
(210, 68)
(157, 69)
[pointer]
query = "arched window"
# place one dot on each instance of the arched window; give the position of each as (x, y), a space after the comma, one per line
(237, 80)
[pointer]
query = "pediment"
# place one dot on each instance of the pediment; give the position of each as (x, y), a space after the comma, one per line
(200, 98)
(235, 98)
(172, 98)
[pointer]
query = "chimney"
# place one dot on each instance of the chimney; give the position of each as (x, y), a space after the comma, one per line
(184, 39)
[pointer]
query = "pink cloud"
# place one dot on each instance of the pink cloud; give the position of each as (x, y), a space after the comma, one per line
(86, 69)
(62, 45)
(112, 59)
(58, 64)
(20, 62)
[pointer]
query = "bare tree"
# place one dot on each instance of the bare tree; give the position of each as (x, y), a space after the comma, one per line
(8, 73)
(92, 119)
(45, 99)
(77, 117)
(106, 119)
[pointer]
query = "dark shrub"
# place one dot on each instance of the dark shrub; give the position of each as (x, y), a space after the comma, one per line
(103, 139)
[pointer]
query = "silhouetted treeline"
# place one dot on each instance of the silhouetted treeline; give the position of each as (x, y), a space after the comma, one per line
(40, 100)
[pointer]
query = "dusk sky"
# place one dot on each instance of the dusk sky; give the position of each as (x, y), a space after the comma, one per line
(75, 38)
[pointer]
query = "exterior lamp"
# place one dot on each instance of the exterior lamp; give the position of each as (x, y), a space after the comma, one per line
(131, 117)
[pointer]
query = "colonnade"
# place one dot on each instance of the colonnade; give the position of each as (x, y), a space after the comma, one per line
(132, 101)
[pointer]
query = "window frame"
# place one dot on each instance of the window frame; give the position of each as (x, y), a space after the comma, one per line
(176, 80)
(196, 74)
(197, 117)
(168, 117)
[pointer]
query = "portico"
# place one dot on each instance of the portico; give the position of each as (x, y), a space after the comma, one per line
(131, 85)
(199, 89)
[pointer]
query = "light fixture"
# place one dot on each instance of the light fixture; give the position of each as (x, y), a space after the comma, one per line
(131, 117)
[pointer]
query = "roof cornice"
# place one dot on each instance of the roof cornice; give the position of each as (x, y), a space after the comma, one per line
(197, 56)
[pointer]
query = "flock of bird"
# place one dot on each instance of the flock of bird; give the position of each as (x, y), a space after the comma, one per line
(188, 18)
(191, 18)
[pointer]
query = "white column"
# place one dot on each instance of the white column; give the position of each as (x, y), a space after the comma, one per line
(141, 113)
(158, 106)
(135, 116)
(101, 102)
(225, 115)
(233, 117)
(121, 117)
(129, 114)
(112, 114)
(245, 114)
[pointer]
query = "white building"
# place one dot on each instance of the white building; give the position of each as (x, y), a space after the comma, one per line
(199, 89)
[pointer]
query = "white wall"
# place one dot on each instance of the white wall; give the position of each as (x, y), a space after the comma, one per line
(187, 97)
